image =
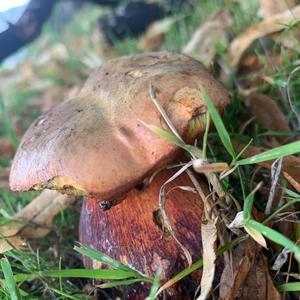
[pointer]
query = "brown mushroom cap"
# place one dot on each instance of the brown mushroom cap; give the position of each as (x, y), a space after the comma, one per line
(128, 233)
(95, 144)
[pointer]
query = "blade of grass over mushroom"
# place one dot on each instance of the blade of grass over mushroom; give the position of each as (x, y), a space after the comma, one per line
(9, 280)
(152, 94)
(76, 273)
(289, 287)
(108, 285)
(277, 152)
(275, 236)
(8, 125)
(193, 151)
(155, 286)
(223, 133)
(102, 257)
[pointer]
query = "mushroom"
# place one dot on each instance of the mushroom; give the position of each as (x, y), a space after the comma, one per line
(96, 144)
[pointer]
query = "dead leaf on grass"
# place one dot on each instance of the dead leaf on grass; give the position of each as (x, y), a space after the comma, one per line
(154, 37)
(267, 113)
(35, 220)
(268, 8)
(202, 45)
(4, 175)
(209, 237)
(271, 25)
(6, 148)
(247, 277)
(209, 234)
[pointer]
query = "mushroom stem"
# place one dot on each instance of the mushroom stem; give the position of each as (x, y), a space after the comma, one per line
(132, 233)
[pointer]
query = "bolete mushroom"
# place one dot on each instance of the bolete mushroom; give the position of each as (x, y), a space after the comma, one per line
(96, 144)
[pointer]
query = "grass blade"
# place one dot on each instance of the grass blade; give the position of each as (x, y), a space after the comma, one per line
(102, 257)
(289, 287)
(276, 237)
(248, 203)
(275, 153)
(155, 286)
(223, 133)
(88, 273)
(108, 285)
(9, 280)
(77, 273)
(170, 137)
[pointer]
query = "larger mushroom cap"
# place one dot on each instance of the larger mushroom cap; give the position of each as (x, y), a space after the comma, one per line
(96, 145)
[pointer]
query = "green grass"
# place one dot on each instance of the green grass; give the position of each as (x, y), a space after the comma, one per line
(9, 281)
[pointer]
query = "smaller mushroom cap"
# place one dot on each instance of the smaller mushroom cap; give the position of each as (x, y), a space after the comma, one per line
(96, 145)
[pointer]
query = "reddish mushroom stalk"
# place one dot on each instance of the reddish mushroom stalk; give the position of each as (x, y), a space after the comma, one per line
(132, 233)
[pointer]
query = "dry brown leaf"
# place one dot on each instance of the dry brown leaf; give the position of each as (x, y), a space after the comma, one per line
(209, 237)
(11, 242)
(4, 174)
(34, 220)
(154, 37)
(202, 45)
(268, 8)
(209, 234)
(248, 276)
(290, 164)
(268, 26)
(256, 236)
(289, 39)
(267, 113)
(6, 148)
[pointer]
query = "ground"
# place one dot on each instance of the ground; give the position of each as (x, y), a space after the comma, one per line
(261, 73)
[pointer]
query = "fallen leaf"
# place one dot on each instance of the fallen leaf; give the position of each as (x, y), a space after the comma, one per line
(238, 221)
(202, 45)
(35, 220)
(6, 148)
(11, 242)
(268, 8)
(289, 39)
(267, 113)
(247, 277)
(209, 237)
(268, 26)
(281, 259)
(209, 234)
(4, 175)
(154, 37)
(256, 235)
